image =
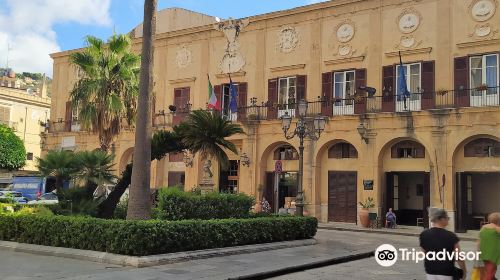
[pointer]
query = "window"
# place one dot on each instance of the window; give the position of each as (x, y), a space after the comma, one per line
(287, 90)
(343, 86)
(181, 101)
(413, 80)
(226, 99)
(286, 153)
(484, 71)
(176, 179)
(29, 156)
(342, 150)
(175, 157)
(4, 114)
(483, 147)
(233, 168)
(407, 149)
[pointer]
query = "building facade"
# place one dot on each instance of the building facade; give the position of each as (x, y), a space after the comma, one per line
(26, 112)
(436, 146)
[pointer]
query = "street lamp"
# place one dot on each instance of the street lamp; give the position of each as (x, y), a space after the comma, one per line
(305, 128)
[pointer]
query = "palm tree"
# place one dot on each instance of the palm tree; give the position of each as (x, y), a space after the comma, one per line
(106, 93)
(206, 133)
(95, 168)
(58, 164)
(139, 207)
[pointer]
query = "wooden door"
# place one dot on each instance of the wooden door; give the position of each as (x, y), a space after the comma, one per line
(269, 190)
(461, 202)
(426, 199)
(342, 196)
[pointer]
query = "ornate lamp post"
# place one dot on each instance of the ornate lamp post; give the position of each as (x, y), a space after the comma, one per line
(305, 128)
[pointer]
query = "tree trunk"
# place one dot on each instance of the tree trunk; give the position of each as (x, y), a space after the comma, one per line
(107, 208)
(139, 206)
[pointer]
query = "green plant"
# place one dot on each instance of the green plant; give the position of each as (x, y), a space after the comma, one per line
(12, 151)
(59, 164)
(121, 209)
(95, 168)
(368, 203)
(175, 204)
(206, 133)
(140, 238)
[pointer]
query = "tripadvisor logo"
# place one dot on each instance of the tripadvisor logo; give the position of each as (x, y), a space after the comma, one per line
(386, 255)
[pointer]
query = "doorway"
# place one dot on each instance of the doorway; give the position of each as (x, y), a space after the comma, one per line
(281, 190)
(476, 196)
(342, 196)
(408, 194)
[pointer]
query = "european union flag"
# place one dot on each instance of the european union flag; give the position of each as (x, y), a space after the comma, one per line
(233, 103)
(402, 87)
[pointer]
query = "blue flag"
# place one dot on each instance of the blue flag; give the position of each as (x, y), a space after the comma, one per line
(233, 103)
(402, 87)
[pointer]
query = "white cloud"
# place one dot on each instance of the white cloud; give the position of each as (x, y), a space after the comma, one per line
(28, 29)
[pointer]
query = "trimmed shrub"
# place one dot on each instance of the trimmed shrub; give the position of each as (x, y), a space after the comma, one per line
(141, 238)
(175, 204)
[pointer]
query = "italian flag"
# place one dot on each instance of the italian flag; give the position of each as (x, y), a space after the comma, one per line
(213, 103)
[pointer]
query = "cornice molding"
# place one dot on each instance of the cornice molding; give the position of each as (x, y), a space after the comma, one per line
(345, 60)
(288, 67)
(235, 74)
(182, 80)
(478, 43)
(409, 52)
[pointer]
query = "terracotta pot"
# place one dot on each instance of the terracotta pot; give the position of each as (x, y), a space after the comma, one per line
(258, 208)
(363, 218)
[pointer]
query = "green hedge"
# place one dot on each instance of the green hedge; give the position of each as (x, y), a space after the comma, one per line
(141, 238)
(175, 204)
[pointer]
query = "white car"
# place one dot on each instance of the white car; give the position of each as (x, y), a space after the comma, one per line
(17, 196)
(47, 198)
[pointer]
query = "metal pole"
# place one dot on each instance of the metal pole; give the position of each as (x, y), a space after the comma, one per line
(299, 202)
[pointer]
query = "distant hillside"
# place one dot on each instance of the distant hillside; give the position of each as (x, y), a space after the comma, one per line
(30, 80)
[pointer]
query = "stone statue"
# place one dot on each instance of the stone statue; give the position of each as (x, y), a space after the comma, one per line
(207, 173)
(233, 60)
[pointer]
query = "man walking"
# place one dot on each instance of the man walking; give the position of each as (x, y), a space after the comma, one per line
(437, 239)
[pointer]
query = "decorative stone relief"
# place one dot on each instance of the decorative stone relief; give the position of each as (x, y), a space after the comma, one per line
(482, 10)
(409, 20)
(183, 57)
(233, 60)
(483, 31)
(407, 42)
(345, 31)
(288, 39)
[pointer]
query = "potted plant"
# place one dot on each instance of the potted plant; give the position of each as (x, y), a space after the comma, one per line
(365, 209)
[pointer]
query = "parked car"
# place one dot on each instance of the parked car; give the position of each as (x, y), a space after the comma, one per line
(17, 196)
(47, 198)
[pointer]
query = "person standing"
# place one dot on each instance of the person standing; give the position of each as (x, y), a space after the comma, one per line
(436, 239)
(489, 244)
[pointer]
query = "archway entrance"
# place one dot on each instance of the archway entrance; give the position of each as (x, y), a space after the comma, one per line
(477, 190)
(407, 182)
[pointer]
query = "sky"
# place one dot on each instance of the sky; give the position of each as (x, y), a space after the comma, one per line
(30, 30)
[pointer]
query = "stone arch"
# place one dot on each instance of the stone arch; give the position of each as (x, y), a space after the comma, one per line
(126, 158)
(413, 178)
(321, 166)
(474, 183)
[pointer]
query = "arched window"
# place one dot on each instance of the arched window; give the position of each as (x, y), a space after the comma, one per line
(483, 147)
(342, 150)
(407, 149)
(286, 152)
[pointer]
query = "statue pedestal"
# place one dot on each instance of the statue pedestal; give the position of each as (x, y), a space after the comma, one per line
(206, 186)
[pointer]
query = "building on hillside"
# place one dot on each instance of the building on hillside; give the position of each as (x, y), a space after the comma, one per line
(436, 146)
(26, 111)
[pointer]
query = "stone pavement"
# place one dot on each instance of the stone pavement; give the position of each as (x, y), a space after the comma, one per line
(21, 266)
(370, 270)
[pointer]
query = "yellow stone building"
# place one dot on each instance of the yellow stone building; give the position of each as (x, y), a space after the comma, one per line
(436, 146)
(24, 110)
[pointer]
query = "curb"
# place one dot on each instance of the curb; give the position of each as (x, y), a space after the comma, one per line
(463, 238)
(147, 261)
(306, 266)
